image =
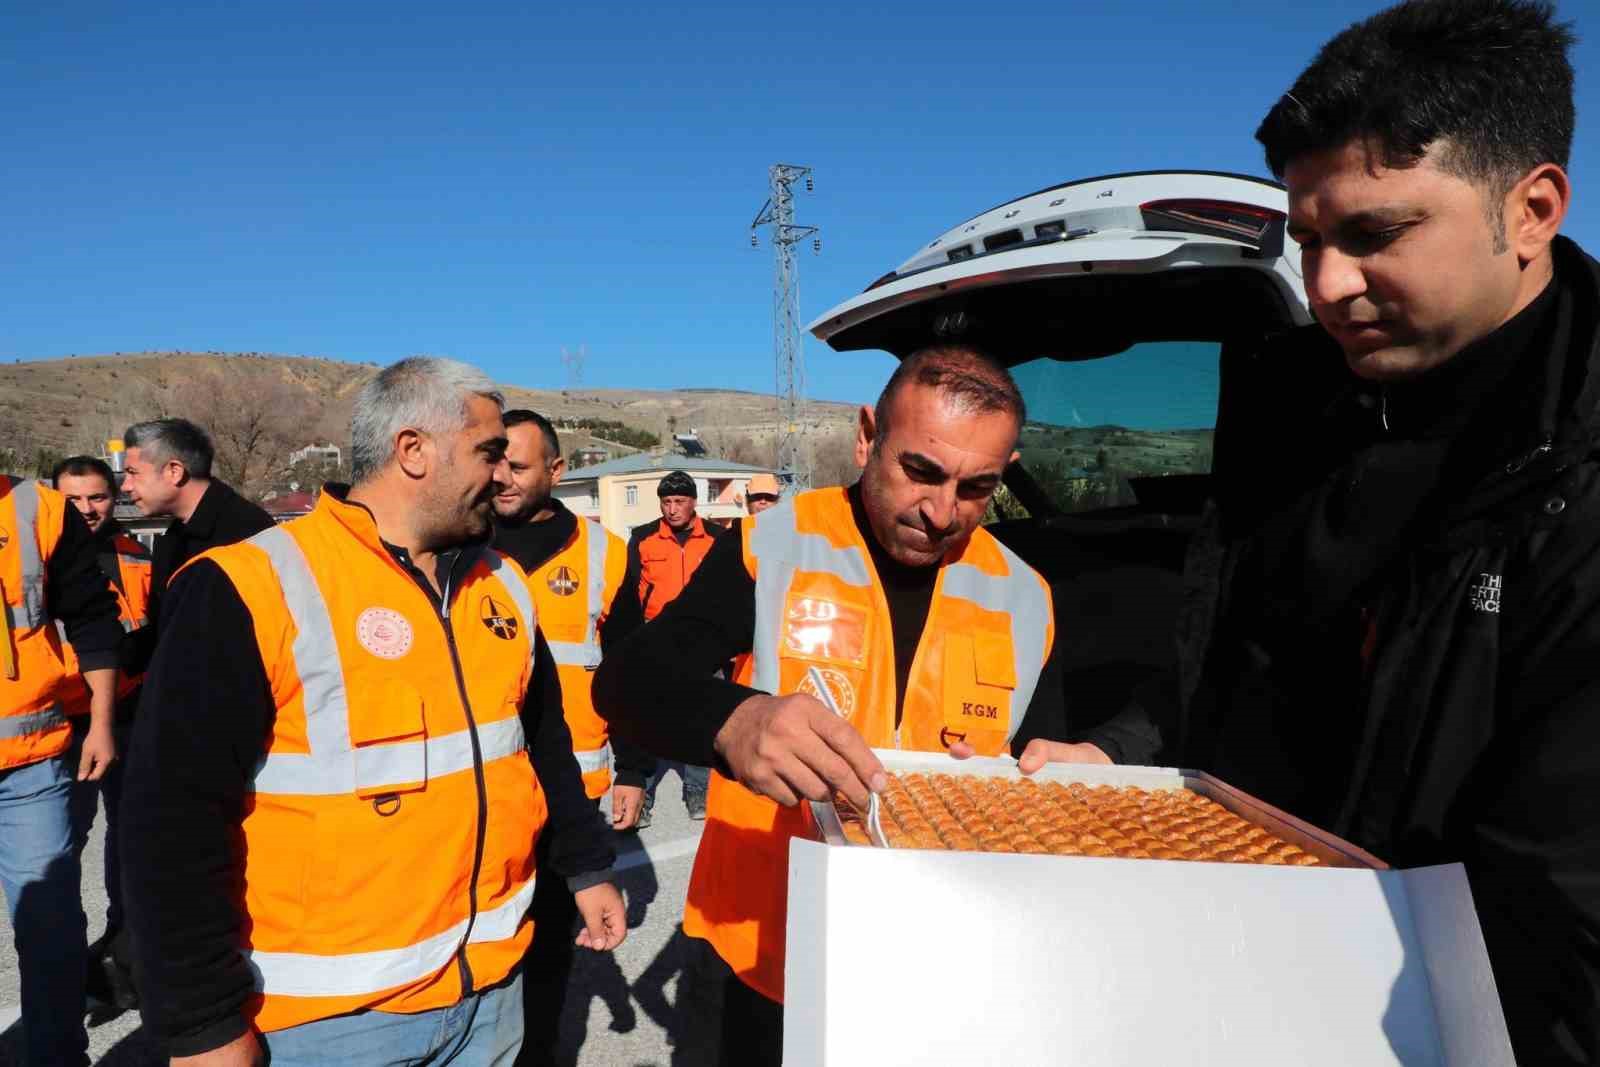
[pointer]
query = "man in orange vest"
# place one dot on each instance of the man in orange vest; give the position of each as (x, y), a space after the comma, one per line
(90, 486)
(350, 743)
(926, 631)
(48, 572)
(662, 556)
(575, 570)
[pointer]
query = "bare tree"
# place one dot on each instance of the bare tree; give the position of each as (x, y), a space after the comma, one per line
(252, 421)
(833, 458)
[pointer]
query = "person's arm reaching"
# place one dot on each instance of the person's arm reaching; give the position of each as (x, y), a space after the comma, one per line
(659, 689)
(203, 724)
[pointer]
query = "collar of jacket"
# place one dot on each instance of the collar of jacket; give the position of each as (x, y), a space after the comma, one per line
(203, 522)
(533, 544)
(1556, 421)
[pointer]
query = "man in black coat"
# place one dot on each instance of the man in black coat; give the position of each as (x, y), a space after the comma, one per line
(167, 472)
(1393, 626)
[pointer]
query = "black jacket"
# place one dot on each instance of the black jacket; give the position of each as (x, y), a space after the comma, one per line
(1393, 628)
(532, 544)
(222, 517)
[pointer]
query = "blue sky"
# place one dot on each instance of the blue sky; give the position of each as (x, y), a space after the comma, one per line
(494, 181)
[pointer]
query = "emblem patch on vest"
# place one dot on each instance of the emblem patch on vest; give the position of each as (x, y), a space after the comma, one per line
(384, 633)
(1485, 593)
(5, 537)
(498, 618)
(562, 581)
(839, 687)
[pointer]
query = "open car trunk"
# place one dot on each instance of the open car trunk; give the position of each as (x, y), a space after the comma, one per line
(1120, 366)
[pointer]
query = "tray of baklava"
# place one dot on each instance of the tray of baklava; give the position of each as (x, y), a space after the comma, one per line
(934, 802)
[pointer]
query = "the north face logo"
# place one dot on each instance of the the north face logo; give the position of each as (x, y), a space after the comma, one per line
(1485, 593)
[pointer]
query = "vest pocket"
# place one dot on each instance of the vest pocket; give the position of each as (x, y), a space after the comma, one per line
(979, 678)
(389, 741)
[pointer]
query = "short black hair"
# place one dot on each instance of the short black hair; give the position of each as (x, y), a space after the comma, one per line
(177, 439)
(518, 416)
(968, 375)
(1490, 79)
(81, 467)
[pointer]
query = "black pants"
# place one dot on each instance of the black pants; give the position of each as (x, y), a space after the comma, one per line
(547, 968)
(726, 1023)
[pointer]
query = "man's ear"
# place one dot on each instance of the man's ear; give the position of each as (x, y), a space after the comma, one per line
(1534, 210)
(866, 434)
(557, 469)
(412, 451)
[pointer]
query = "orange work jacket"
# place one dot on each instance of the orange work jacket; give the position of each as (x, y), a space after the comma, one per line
(572, 591)
(665, 566)
(33, 726)
(133, 607)
(388, 846)
(821, 614)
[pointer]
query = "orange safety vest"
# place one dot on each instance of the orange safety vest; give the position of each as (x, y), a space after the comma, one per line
(133, 606)
(666, 566)
(821, 613)
(572, 591)
(388, 844)
(32, 662)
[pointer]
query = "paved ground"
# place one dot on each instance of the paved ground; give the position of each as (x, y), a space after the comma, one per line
(618, 1011)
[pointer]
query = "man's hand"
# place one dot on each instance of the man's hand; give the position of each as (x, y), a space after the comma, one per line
(98, 753)
(627, 801)
(99, 748)
(605, 917)
(243, 1051)
(792, 746)
(1039, 752)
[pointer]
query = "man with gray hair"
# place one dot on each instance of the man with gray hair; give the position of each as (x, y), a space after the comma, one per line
(353, 739)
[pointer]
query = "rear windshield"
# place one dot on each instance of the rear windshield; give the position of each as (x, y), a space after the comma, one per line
(1093, 424)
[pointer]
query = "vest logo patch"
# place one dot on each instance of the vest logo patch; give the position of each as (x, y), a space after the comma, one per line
(384, 633)
(497, 618)
(562, 581)
(974, 710)
(5, 537)
(839, 687)
(814, 628)
(1485, 593)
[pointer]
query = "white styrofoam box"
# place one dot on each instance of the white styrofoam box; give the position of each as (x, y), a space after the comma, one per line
(926, 957)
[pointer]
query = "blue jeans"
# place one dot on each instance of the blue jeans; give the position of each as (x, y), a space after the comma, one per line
(696, 780)
(39, 874)
(483, 1030)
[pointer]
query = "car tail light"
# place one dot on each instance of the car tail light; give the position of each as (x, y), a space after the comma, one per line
(1260, 227)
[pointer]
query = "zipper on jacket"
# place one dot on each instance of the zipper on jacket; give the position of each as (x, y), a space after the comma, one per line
(463, 966)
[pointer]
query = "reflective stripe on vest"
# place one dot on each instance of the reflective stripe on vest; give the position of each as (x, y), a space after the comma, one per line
(302, 974)
(598, 759)
(136, 563)
(586, 653)
(334, 766)
(782, 550)
(33, 722)
(25, 499)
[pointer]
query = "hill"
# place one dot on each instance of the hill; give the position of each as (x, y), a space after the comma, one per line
(272, 404)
